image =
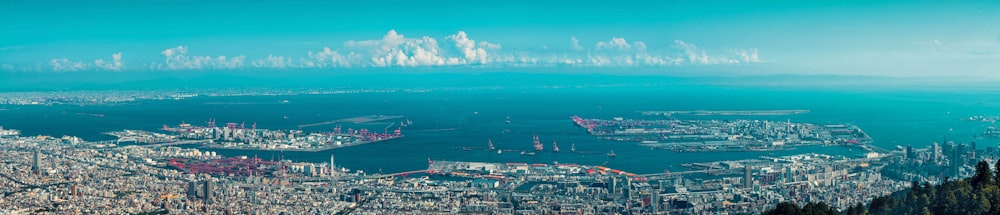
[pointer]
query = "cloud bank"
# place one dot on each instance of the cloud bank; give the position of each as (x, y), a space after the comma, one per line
(459, 49)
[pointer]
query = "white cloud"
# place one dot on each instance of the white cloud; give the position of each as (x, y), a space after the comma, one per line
(328, 58)
(63, 64)
(396, 50)
(747, 55)
(115, 65)
(277, 62)
(177, 59)
(472, 54)
(575, 44)
(619, 44)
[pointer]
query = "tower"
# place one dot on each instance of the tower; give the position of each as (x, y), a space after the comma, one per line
(614, 184)
(208, 191)
(36, 161)
(747, 177)
(192, 190)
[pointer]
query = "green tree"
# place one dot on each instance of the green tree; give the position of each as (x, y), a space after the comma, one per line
(981, 205)
(784, 208)
(996, 169)
(983, 175)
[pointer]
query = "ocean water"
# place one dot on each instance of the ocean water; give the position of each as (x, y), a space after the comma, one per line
(446, 121)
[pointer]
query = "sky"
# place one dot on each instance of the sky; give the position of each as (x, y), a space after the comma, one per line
(881, 38)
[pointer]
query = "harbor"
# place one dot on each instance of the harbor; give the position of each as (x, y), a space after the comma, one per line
(240, 137)
(722, 135)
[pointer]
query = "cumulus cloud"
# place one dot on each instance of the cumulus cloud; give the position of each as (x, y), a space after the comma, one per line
(747, 55)
(395, 49)
(67, 65)
(278, 62)
(328, 58)
(620, 44)
(177, 59)
(574, 44)
(63, 64)
(114, 65)
(468, 48)
(459, 49)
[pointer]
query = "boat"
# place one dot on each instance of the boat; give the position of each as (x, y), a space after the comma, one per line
(491, 144)
(572, 147)
(538, 144)
(555, 148)
(612, 154)
(508, 120)
(499, 152)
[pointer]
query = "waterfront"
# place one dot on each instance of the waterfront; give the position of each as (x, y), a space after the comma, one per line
(444, 122)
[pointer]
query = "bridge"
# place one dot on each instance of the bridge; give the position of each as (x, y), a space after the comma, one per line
(175, 143)
(126, 139)
(397, 190)
(400, 174)
(675, 174)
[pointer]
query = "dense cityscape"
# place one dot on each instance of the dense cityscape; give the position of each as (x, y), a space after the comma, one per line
(308, 107)
(70, 175)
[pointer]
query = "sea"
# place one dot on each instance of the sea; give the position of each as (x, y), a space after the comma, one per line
(446, 121)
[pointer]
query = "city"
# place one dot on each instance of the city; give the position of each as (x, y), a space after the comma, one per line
(307, 107)
(67, 175)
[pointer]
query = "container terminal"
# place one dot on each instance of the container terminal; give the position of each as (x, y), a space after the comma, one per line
(722, 135)
(239, 136)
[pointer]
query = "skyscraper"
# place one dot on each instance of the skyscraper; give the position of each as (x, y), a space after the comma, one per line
(192, 190)
(747, 177)
(208, 192)
(36, 162)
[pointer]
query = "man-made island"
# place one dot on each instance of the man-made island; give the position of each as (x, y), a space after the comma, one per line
(721, 135)
(239, 136)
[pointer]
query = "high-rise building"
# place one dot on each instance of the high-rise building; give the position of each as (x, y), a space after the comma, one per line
(936, 150)
(208, 192)
(613, 185)
(972, 151)
(37, 161)
(192, 191)
(747, 177)
(909, 152)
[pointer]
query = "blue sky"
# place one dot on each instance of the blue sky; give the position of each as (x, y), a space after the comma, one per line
(890, 38)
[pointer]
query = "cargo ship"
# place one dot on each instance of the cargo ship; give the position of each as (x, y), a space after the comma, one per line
(537, 143)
